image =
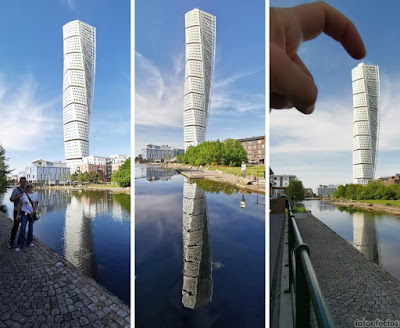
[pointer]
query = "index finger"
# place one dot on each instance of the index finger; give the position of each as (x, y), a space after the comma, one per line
(317, 17)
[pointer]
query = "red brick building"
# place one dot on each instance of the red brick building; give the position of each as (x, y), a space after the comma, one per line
(255, 149)
(390, 180)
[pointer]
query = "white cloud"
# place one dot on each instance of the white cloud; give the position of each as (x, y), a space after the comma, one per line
(25, 121)
(159, 95)
(318, 147)
(330, 127)
(390, 106)
(158, 98)
(70, 4)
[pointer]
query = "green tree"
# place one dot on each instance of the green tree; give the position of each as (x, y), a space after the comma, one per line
(123, 175)
(229, 152)
(139, 159)
(295, 189)
(73, 177)
(340, 192)
(93, 177)
(83, 177)
(4, 169)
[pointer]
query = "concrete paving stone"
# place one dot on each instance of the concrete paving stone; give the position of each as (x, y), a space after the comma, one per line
(83, 321)
(92, 317)
(68, 301)
(9, 323)
(71, 308)
(122, 313)
(5, 316)
(58, 318)
(92, 307)
(114, 307)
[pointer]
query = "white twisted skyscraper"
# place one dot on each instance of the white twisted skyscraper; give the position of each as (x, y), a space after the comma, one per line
(365, 121)
(78, 89)
(200, 32)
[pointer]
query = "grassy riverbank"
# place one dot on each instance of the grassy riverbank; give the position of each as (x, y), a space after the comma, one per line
(236, 171)
(386, 206)
(111, 187)
(386, 202)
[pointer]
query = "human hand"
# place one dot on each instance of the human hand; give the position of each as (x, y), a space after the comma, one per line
(291, 83)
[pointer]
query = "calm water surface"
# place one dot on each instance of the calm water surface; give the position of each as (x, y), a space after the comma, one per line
(91, 229)
(376, 235)
(200, 257)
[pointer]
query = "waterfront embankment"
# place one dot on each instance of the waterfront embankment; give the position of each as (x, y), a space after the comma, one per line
(91, 188)
(391, 209)
(355, 288)
(256, 185)
(39, 288)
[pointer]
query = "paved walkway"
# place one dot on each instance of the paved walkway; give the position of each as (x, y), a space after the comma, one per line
(39, 288)
(222, 177)
(354, 287)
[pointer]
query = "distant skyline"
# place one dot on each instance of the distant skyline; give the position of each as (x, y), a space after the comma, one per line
(31, 78)
(238, 97)
(317, 148)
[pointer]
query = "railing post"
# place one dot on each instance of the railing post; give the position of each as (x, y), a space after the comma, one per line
(302, 292)
(291, 248)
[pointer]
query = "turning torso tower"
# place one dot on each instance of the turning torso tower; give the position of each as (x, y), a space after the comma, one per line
(200, 33)
(365, 81)
(78, 88)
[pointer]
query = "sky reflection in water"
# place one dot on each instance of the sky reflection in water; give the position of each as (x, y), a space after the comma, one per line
(200, 258)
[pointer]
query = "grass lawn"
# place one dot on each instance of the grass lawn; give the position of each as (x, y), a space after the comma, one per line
(108, 185)
(381, 201)
(299, 209)
(255, 170)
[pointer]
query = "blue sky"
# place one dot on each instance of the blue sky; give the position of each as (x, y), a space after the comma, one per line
(238, 100)
(31, 70)
(318, 148)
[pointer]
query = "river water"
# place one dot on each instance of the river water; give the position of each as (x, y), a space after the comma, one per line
(376, 235)
(200, 252)
(91, 229)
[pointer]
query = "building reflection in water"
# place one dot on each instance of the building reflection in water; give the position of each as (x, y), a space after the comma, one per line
(154, 172)
(78, 239)
(364, 236)
(81, 210)
(197, 280)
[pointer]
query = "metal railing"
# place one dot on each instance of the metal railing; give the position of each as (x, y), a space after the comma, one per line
(303, 282)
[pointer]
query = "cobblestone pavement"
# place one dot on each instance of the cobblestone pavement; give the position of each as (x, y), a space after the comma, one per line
(39, 288)
(354, 287)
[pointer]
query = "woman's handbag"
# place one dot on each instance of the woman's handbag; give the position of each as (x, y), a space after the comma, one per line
(36, 216)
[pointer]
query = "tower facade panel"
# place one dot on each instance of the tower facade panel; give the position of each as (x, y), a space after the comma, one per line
(200, 33)
(78, 89)
(365, 83)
